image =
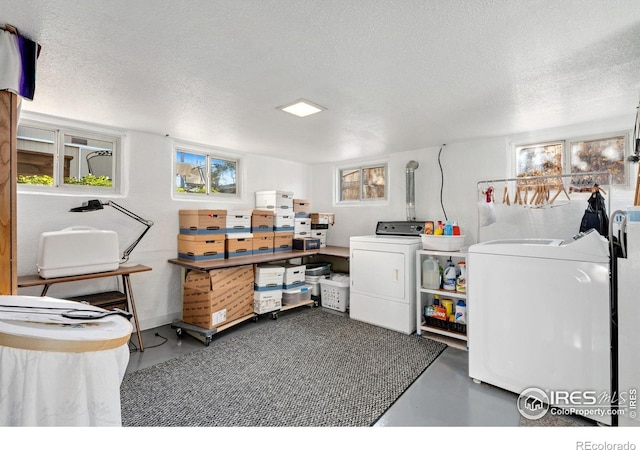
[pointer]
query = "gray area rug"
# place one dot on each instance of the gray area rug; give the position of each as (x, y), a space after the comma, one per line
(312, 368)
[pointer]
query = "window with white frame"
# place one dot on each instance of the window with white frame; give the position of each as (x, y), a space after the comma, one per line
(364, 183)
(54, 159)
(600, 155)
(604, 153)
(205, 172)
(539, 159)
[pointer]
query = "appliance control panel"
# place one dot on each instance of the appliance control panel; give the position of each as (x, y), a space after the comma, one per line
(400, 228)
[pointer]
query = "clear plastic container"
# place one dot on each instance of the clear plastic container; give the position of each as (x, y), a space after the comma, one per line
(430, 273)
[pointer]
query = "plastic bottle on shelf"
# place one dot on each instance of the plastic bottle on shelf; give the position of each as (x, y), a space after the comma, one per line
(461, 312)
(449, 277)
(430, 273)
(456, 229)
(439, 230)
(448, 306)
(448, 229)
(461, 280)
(428, 311)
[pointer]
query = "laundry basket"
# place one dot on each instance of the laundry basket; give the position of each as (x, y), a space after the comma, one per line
(334, 292)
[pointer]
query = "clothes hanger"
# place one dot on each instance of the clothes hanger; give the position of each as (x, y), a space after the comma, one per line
(505, 196)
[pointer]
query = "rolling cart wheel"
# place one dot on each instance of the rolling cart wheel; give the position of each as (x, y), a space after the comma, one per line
(274, 316)
(208, 341)
(315, 304)
(179, 332)
(255, 318)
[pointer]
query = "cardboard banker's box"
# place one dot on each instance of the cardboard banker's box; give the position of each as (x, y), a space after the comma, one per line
(262, 221)
(203, 221)
(199, 247)
(215, 298)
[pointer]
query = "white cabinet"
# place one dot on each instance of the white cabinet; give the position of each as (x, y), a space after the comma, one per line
(455, 332)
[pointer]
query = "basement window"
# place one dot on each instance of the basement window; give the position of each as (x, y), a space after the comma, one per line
(540, 159)
(364, 183)
(55, 159)
(201, 172)
(602, 153)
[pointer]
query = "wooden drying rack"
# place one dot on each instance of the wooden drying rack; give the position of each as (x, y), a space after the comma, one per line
(539, 191)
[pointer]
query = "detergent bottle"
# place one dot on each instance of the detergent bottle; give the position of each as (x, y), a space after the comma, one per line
(461, 312)
(449, 277)
(461, 281)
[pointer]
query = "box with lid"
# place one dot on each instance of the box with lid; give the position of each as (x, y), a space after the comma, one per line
(239, 221)
(277, 201)
(203, 221)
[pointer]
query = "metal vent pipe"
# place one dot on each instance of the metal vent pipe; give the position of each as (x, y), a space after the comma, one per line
(411, 190)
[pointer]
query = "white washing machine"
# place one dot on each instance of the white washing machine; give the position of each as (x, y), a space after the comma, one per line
(383, 279)
(539, 317)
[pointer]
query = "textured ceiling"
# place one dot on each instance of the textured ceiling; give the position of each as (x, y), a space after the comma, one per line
(394, 75)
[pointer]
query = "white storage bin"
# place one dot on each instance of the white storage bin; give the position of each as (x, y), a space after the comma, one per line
(313, 281)
(284, 222)
(320, 234)
(267, 301)
(294, 274)
(278, 201)
(302, 225)
(268, 277)
(239, 221)
(334, 292)
(442, 243)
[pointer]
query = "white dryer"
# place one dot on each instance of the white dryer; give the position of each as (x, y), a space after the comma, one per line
(382, 275)
(539, 317)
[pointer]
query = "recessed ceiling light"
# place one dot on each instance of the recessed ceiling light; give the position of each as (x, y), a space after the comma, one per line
(302, 108)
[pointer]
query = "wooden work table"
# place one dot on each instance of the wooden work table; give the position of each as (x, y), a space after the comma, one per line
(123, 271)
(203, 266)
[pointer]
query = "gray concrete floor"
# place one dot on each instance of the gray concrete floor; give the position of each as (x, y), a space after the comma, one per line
(442, 396)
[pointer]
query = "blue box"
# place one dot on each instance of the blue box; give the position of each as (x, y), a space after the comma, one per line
(198, 231)
(192, 257)
(272, 287)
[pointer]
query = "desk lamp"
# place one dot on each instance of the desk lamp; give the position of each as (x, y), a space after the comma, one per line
(94, 205)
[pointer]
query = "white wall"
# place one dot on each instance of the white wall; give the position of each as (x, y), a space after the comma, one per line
(149, 165)
(148, 170)
(464, 164)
